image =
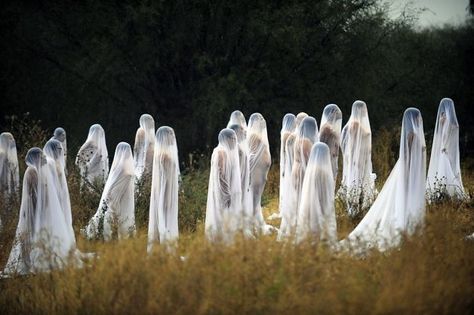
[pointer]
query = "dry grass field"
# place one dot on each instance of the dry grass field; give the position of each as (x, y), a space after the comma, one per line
(432, 272)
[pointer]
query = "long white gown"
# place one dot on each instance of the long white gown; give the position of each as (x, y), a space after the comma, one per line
(42, 241)
(163, 217)
(60, 135)
(143, 148)
(93, 159)
(224, 215)
(330, 133)
(54, 152)
(260, 161)
(9, 171)
(358, 181)
(306, 136)
(316, 215)
(116, 211)
(444, 172)
(244, 164)
(287, 128)
(400, 206)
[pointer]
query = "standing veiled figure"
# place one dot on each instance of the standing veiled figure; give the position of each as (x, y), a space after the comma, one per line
(54, 152)
(260, 161)
(93, 159)
(116, 212)
(9, 171)
(60, 135)
(144, 144)
(306, 136)
(237, 118)
(299, 118)
(358, 182)
(244, 164)
(316, 215)
(224, 215)
(400, 206)
(163, 217)
(42, 241)
(444, 172)
(330, 133)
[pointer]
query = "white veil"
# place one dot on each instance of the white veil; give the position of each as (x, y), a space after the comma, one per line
(400, 206)
(444, 172)
(55, 157)
(246, 203)
(287, 128)
(330, 133)
(92, 158)
(358, 182)
(60, 135)
(316, 215)
(237, 118)
(9, 171)
(299, 118)
(260, 161)
(223, 210)
(42, 241)
(163, 217)
(144, 144)
(117, 204)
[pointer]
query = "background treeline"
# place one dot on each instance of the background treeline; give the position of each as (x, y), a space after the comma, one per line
(190, 63)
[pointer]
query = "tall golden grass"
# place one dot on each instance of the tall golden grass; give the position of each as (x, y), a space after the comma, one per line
(431, 272)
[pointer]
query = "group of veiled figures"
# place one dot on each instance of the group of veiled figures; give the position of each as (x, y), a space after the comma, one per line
(240, 163)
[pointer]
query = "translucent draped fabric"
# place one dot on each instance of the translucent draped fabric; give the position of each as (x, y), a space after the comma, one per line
(444, 172)
(42, 241)
(330, 133)
(400, 206)
(260, 161)
(287, 128)
(358, 181)
(299, 118)
(244, 177)
(224, 215)
(316, 215)
(53, 150)
(306, 136)
(237, 118)
(93, 159)
(144, 144)
(60, 135)
(115, 216)
(9, 171)
(163, 217)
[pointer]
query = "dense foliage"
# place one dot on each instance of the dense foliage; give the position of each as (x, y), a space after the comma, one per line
(190, 63)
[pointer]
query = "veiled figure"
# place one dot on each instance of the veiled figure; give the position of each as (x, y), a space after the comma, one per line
(330, 133)
(316, 215)
(237, 118)
(93, 159)
(224, 215)
(42, 241)
(163, 217)
(299, 118)
(400, 206)
(358, 181)
(60, 135)
(144, 144)
(306, 136)
(115, 216)
(55, 157)
(287, 129)
(246, 202)
(444, 172)
(9, 171)
(260, 161)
